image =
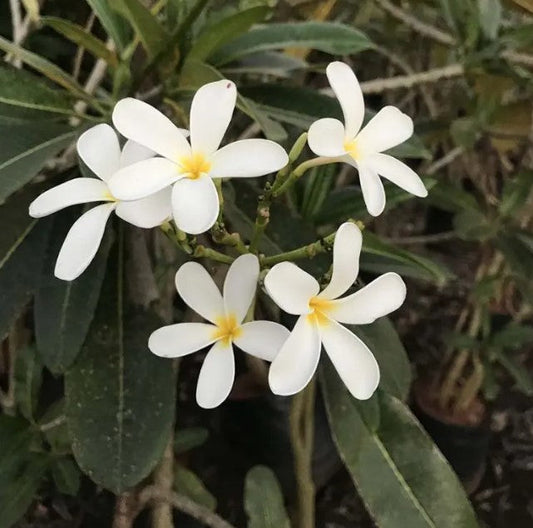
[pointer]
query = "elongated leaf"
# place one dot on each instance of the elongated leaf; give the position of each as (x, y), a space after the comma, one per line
(189, 484)
(383, 340)
(17, 496)
(81, 37)
(18, 276)
(44, 66)
(26, 146)
(63, 310)
(149, 30)
(119, 396)
(28, 378)
(379, 256)
(226, 30)
(189, 438)
(400, 474)
(330, 37)
(113, 23)
(263, 500)
(16, 438)
(22, 89)
(67, 476)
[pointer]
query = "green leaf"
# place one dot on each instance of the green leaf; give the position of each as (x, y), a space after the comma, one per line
(519, 373)
(383, 340)
(379, 256)
(44, 66)
(150, 31)
(67, 476)
(63, 310)
(474, 225)
(329, 37)
(113, 23)
(22, 89)
(399, 473)
(28, 378)
(515, 194)
(26, 147)
(513, 336)
(189, 484)
(81, 37)
(490, 17)
(227, 29)
(17, 496)
(517, 248)
(16, 439)
(450, 197)
(318, 184)
(266, 63)
(18, 275)
(263, 500)
(189, 438)
(119, 397)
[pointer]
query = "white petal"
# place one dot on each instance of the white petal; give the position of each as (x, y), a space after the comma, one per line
(291, 288)
(197, 289)
(355, 363)
(146, 125)
(262, 339)
(346, 87)
(296, 362)
(132, 152)
(147, 212)
(216, 375)
(211, 111)
(388, 128)
(248, 158)
(346, 251)
(240, 286)
(143, 178)
(72, 192)
(195, 204)
(180, 339)
(99, 149)
(381, 297)
(82, 242)
(372, 187)
(398, 173)
(326, 137)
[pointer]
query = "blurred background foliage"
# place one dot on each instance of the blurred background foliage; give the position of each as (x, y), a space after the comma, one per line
(72, 438)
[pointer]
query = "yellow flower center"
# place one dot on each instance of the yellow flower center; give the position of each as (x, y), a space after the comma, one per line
(194, 166)
(228, 329)
(109, 197)
(352, 149)
(319, 308)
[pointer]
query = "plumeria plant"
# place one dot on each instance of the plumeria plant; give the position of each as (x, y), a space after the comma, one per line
(234, 231)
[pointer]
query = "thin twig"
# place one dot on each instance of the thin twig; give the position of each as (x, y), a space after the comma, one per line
(445, 160)
(416, 24)
(423, 239)
(407, 81)
(18, 30)
(183, 504)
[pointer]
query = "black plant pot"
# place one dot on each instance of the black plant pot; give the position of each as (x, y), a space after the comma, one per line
(465, 446)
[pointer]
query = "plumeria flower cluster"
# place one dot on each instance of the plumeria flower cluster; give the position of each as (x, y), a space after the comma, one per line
(160, 175)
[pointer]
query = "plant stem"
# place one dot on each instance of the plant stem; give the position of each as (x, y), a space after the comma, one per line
(302, 432)
(309, 251)
(184, 504)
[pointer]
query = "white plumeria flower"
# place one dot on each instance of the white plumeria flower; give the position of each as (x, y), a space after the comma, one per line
(298, 293)
(99, 148)
(363, 149)
(261, 339)
(189, 168)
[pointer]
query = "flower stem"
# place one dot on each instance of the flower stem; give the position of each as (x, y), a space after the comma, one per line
(302, 432)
